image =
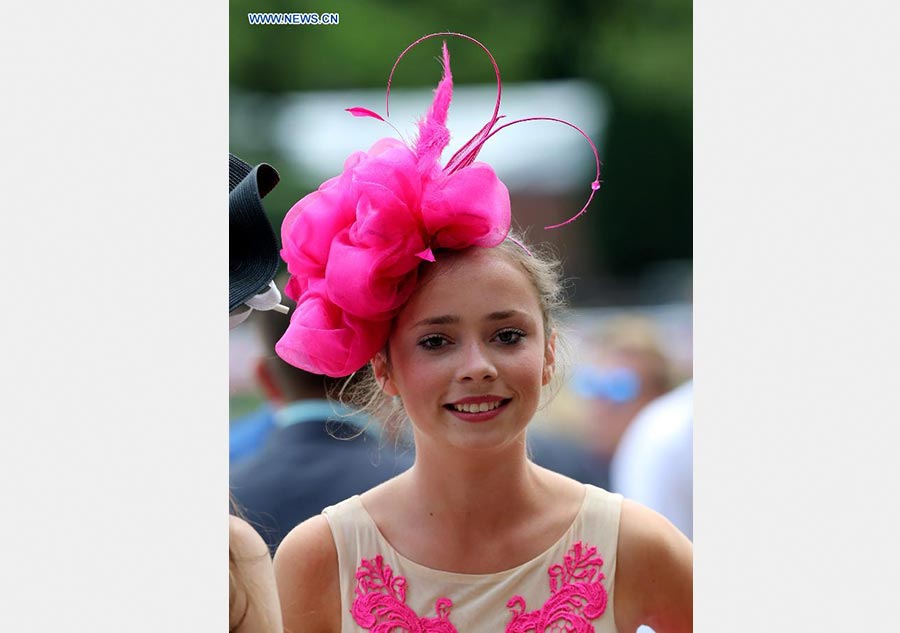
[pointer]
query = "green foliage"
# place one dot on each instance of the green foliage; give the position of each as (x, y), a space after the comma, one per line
(356, 53)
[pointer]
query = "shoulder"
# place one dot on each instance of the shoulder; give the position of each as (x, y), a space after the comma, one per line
(384, 503)
(309, 545)
(254, 598)
(654, 572)
(306, 568)
(245, 542)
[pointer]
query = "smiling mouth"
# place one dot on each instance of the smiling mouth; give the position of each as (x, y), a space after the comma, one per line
(477, 407)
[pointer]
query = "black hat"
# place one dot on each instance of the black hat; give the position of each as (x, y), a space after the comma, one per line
(253, 248)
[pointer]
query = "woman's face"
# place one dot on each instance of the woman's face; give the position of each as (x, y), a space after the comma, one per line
(468, 355)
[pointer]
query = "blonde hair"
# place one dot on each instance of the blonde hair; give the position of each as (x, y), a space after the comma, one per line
(363, 393)
(240, 594)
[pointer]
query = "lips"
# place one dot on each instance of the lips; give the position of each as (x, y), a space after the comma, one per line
(478, 408)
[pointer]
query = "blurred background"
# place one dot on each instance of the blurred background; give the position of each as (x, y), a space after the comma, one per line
(622, 71)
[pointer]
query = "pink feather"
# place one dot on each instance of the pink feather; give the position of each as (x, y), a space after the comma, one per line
(433, 133)
(364, 112)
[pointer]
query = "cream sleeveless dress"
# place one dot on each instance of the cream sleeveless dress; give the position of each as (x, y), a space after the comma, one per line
(569, 585)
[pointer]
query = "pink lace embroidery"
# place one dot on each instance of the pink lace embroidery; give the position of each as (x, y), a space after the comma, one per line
(577, 596)
(380, 604)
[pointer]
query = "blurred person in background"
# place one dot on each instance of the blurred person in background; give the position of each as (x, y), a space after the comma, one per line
(654, 462)
(253, 605)
(566, 457)
(315, 452)
(247, 433)
(626, 371)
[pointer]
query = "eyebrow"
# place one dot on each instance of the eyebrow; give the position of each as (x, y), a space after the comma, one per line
(452, 319)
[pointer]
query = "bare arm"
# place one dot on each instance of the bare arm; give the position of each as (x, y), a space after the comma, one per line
(254, 599)
(306, 568)
(654, 573)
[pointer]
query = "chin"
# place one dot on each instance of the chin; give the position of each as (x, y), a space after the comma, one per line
(487, 440)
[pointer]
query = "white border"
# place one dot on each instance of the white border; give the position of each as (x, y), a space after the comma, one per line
(114, 341)
(796, 313)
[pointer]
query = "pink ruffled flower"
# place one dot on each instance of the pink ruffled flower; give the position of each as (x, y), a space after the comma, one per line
(354, 246)
(470, 207)
(325, 338)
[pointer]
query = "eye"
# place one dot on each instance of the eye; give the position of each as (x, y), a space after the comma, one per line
(433, 341)
(510, 336)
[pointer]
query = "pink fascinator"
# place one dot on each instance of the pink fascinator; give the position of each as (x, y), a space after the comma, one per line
(354, 246)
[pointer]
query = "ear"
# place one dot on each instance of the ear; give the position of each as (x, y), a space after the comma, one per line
(549, 359)
(381, 369)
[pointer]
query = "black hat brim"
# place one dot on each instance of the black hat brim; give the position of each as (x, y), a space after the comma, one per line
(253, 247)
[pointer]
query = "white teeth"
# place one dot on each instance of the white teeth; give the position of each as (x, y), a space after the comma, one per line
(477, 408)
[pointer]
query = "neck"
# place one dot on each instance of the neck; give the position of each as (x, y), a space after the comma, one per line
(468, 489)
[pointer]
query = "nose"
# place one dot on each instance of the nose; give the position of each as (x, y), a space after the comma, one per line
(476, 364)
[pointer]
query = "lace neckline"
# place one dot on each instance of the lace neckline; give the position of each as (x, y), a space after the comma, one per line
(441, 574)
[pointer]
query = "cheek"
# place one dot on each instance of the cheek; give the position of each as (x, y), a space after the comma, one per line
(416, 375)
(529, 371)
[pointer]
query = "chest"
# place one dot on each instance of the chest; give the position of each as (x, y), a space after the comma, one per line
(564, 590)
(475, 548)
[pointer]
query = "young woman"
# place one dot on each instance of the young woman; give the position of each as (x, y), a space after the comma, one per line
(407, 268)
